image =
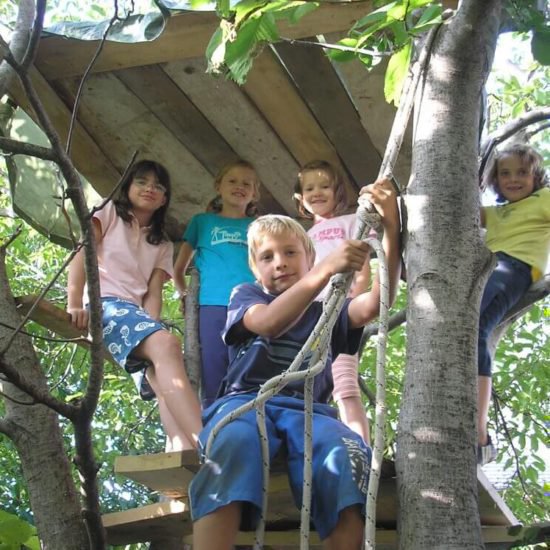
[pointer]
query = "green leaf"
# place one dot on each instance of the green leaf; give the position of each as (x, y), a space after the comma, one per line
(343, 56)
(540, 47)
(430, 17)
(14, 530)
(396, 73)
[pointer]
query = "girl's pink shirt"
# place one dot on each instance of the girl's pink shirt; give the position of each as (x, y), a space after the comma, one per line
(126, 260)
(327, 236)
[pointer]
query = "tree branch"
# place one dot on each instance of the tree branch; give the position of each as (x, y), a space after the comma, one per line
(18, 44)
(19, 148)
(44, 397)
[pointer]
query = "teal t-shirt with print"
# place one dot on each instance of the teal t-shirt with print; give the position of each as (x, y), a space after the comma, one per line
(221, 255)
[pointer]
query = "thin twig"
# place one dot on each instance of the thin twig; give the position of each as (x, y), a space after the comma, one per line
(85, 77)
(39, 297)
(79, 340)
(337, 47)
(4, 246)
(498, 413)
(35, 35)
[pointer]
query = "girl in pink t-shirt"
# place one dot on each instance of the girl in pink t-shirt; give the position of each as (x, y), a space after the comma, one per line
(320, 195)
(135, 260)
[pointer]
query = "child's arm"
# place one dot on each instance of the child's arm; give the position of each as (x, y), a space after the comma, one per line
(152, 301)
(273, 319)
(75, 284)
(361, 280)
(365, 307)
(183, 260)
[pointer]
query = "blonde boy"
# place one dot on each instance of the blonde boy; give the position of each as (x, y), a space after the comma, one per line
(267, 324)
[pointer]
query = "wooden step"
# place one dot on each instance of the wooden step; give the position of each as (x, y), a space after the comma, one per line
(172, 519)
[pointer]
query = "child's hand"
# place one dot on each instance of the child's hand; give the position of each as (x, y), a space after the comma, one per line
(79, 317)
(382, 195)
(349, 256)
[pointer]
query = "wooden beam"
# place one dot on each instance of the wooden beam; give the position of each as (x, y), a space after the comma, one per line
(271, 89)
(322, 89)
(493, 509)
(185, 35)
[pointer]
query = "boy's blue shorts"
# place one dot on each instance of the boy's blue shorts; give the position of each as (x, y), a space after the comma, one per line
(341, 461)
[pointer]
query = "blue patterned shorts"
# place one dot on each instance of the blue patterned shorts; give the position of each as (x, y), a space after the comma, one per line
(125, 326)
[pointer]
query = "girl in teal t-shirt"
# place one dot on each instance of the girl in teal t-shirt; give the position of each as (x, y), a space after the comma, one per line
(216, 240)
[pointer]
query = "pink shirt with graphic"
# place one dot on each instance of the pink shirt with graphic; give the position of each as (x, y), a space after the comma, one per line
(126, 260)
(328, 234)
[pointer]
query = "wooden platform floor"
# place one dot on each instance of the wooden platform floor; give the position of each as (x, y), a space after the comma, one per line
(170, 473)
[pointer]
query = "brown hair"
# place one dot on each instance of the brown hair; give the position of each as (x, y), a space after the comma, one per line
(123, 206)
(528, 156)
(215, 205)
(338, 184)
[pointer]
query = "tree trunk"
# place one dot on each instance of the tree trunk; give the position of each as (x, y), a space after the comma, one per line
(34, 430)
(447, 265)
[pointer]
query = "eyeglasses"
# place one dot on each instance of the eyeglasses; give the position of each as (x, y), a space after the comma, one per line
(155, 185)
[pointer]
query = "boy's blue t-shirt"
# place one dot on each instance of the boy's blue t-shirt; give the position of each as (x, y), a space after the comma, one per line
(254, 359)
(221, 255)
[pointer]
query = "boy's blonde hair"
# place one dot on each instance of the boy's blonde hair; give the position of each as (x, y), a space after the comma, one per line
(528, 156)
(274, 225)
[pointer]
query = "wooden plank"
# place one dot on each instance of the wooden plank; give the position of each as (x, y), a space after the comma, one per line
(151, 522)
(492, 508)
(270, 88)
(167, 473)
(241, 125)
(272, 91)
(185, 35)
(57, 320)
(322, 89)
(375, 114)
(101, 173)
(174, 109)
(50, 316)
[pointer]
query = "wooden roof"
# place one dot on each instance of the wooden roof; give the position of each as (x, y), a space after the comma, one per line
(155, 96)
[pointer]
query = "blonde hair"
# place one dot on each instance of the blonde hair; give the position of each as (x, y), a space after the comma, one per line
(528, 156)
(338, 183)
(275, 225)
(215, 205)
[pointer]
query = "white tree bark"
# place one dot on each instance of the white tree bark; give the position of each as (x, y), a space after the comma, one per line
(447, 265)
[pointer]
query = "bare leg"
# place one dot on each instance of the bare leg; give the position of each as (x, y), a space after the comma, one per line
(218, 530)
(352, 414)
(348, 533)
(483, 402)
(171, 385)
(175, 440)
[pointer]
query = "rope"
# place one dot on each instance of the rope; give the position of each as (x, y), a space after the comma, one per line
(318, 343)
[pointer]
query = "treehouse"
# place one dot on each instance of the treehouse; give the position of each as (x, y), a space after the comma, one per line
(155, 97)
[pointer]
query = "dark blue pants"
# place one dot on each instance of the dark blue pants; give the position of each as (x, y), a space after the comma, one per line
(214, 357)
(509, 281)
